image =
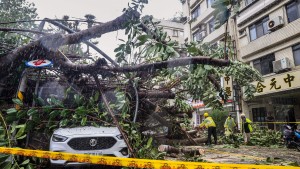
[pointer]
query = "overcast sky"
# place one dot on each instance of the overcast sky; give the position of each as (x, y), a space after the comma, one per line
(104, 10)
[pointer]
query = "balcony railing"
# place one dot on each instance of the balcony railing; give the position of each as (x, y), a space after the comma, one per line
(215, 35)
(275, 38)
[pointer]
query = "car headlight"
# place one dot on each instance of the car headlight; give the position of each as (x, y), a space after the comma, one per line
(120, 137)
(58, 138)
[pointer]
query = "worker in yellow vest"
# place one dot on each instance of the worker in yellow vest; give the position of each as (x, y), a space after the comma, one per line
(229, 126)
(211, 127)
(246, 128)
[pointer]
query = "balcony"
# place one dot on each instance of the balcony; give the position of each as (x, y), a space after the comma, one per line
(268, 41)
(254, 9)
(194, 3)
(203, 17)
(215, 35)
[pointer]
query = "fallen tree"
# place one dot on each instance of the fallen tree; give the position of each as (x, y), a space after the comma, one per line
(150, 86)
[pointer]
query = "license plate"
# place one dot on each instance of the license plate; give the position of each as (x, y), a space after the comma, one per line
(95, 154)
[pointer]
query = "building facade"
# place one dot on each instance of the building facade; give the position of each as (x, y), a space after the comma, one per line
(268, 34)
(200, 26)
(173, 29)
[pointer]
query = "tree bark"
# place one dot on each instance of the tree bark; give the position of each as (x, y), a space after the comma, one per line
(171, 149)
(156, 94)
(180, 142)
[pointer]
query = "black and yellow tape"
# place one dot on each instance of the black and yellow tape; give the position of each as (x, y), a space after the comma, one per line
(131, 162)
(276, 122)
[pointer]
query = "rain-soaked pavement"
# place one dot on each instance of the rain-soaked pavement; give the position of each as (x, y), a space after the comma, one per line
(250, 155)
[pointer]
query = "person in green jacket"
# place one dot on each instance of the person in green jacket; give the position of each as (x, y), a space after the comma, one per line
(246, 128)
(211, 127)
(229, 126)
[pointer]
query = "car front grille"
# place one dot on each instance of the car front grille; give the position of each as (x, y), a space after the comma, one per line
(92, 143)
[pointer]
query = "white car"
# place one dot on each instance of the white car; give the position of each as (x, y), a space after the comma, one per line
(106, 141)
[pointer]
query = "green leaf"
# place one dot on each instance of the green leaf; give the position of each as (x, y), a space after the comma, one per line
(20, 138)
(143, 38)
(29, 166)
(20, 131)
(6, 165)
(207, 67)
(81, 110)
(149, 142)
(40, 101)
(96, 97)
(77, 99)
(25, 162)
(18, 102)
(54, 114)
(11, 110)
(64, 113)
(63, 122)
(3, 157)
(31, 112)
(83, 121)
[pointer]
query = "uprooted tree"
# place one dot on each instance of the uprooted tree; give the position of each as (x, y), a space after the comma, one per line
(151, 79)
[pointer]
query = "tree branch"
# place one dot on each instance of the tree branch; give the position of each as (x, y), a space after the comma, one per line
(21, 30)
(53, 42)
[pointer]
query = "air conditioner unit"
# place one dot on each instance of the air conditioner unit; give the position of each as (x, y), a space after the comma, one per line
(281, 65)
(275, 23)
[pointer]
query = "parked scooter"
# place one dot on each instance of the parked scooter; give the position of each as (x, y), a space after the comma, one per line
(291, 137)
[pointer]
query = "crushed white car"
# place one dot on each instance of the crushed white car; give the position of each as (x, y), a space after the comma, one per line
(106, 141)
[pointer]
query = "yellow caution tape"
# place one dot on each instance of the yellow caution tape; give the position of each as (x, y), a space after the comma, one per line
(276, 122)
(131, 162)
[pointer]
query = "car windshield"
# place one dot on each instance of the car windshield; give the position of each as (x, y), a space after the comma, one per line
(181, 80)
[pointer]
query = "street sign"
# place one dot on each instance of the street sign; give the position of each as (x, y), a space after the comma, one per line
(39, 63)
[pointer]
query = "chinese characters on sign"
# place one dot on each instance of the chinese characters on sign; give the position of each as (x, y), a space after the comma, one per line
(227, 85)
(281, 82)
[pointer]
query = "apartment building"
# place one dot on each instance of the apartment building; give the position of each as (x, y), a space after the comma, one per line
(200, 26)
(173, 29)
(268, 34)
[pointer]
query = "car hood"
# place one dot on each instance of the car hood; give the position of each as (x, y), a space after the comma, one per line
(86, 131)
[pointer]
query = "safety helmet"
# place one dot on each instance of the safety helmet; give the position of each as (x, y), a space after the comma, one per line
(205, 114)
(243, 115)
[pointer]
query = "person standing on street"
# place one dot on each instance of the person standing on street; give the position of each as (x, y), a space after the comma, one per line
(246, 128)
(211, 127)
(229, 126)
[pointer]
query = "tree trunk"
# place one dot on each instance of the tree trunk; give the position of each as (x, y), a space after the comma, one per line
(171, 149)
(181, 142)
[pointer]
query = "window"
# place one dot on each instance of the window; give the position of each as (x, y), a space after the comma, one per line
(199, 35)
(296, 53)
(196, 12)
(259, 29)
(175, 33)
(264, 64)
(259, 114)
(248, 2)
(293, 10)
(209, 2)
(211, 25)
